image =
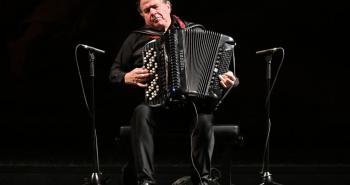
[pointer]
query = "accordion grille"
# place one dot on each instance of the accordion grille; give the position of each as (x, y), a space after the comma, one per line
(201, 49)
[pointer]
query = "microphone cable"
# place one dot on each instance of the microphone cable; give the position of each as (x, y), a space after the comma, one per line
(274, 81)
(80, 78)
(195, 125)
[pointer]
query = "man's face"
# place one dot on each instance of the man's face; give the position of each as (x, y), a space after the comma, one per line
(156, 13)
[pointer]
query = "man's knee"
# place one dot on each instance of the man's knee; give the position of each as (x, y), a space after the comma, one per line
(205, 121)
(142, 111)
(141, 116)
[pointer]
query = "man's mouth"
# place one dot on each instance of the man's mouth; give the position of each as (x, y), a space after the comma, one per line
(156, 18)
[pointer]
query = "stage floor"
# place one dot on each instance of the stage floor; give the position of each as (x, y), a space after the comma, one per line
(242, 174)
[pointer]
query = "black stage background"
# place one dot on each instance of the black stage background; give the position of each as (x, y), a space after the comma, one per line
(43, 115)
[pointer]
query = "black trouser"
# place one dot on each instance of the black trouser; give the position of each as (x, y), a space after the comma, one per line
(146, 120)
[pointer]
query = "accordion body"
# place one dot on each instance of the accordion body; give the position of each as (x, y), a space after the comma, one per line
(186, 64)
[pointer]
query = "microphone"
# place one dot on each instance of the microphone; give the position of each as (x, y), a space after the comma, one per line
(268, 51)
(92, 48)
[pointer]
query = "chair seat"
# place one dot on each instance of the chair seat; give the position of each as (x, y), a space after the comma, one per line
(219, 130)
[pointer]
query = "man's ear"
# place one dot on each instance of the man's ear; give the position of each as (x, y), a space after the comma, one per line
(169, 5)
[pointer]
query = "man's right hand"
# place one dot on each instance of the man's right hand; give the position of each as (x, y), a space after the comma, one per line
(138, 77)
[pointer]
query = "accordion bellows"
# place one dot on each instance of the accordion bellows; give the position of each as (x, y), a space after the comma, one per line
(186, 64)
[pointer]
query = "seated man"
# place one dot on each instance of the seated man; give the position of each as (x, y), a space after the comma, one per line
(128, 72)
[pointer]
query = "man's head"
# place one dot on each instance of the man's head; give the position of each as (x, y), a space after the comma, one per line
(156, 13)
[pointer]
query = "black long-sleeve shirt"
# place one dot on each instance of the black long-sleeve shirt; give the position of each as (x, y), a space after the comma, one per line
(130, 56)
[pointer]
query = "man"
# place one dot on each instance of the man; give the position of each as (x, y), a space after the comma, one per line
(127, 71)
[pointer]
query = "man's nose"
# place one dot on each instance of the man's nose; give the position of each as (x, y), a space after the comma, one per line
(152, 10)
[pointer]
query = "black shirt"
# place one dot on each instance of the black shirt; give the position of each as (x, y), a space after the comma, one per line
(130, 56)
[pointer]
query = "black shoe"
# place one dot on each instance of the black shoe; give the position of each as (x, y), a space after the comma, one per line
(145, 182)
(209, 181)
(204, 181)
(186, 180)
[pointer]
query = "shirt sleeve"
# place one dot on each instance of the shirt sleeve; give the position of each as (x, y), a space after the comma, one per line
(120, 65)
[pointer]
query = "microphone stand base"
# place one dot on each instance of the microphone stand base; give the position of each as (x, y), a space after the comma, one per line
(267, 179)
(96, 179)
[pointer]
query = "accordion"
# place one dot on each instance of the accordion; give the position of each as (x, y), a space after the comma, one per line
(186, 64)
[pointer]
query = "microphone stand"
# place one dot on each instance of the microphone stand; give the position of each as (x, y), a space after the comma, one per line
(266, 175)
(96, 177)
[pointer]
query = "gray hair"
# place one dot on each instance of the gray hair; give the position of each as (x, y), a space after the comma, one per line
(138, 4)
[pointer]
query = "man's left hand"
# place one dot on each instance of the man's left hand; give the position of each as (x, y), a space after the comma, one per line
(228, 79)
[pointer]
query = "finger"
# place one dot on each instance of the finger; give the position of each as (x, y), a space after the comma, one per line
(223, 84)
(139, 70)
(233, 78)
(229, 73)
(225, 78)
(142, 80)
(228, 76)
(144, 70)
(229, 82)
(141, 85)
(143, 76)
(221, 77)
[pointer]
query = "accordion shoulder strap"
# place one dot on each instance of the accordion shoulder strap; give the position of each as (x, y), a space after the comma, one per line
(148, 31)
(187, 25)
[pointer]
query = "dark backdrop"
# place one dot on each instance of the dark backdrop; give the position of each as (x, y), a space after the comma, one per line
(44, 117)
